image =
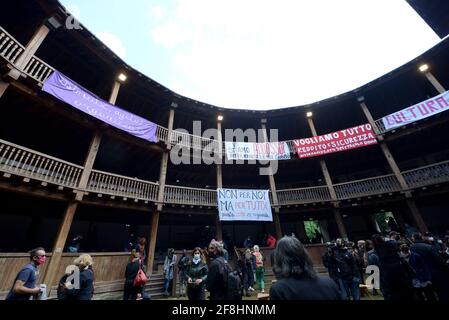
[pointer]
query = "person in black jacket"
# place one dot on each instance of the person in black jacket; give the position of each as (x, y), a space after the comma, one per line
(296, 278)
(86, 282)
(132, 268)
(215, 282)
(395, 273)
(435, 264)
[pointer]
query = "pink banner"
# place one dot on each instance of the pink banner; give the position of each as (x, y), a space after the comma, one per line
(342, 140)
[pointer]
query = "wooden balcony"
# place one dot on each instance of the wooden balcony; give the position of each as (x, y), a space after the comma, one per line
(33, 165)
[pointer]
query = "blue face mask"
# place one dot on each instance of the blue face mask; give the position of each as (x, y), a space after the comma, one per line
(196, 258)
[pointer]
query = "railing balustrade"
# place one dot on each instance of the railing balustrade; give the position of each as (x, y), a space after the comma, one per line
(116, 185)
(27, 163)
(38, 69)
(303, 195)
(424, 176)
(31, 164)
(192, 196)
(367, 187)
(10, 48)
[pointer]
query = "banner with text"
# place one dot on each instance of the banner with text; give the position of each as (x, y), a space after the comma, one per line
(417, 112)
(244, 205)
(342, 140)
(257, 151)
(65, 89)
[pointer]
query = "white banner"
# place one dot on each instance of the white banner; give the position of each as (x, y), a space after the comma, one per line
(417, 112)
(244, 205)
(257, 151)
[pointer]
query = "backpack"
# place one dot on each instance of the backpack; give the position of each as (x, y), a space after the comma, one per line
(233, 283)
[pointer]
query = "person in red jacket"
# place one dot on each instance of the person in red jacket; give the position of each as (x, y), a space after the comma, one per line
(271, 241)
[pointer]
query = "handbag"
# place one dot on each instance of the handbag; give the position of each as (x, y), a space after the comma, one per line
(141, 278)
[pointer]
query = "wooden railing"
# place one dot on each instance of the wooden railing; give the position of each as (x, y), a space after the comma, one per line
(428, 175)
(116, 185)
(190, 196)
(367, 187)
(10, 48)
(28, 163)
(303, 195)
(38, 70)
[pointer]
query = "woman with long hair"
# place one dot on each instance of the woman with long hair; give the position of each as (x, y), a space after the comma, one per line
(296, 278)
(196, 275)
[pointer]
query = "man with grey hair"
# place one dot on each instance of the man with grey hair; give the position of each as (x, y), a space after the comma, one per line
(215, 283)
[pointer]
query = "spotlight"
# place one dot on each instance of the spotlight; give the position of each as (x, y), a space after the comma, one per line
(424, 68)
(122, 77)
(309, 114)
(220, 118)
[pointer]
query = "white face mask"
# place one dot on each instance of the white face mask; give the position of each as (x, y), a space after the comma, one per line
(197, 256)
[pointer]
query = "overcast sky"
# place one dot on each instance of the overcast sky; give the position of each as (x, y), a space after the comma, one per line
(258, 54)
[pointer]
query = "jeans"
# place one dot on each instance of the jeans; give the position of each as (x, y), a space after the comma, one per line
(166, 284)
(349, 287)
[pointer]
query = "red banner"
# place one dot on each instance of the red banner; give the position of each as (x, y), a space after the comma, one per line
(342, 140)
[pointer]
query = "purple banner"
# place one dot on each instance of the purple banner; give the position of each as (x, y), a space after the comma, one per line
(72, 93)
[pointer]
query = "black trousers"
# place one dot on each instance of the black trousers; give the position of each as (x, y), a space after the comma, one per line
(130, 291)
(196, 293)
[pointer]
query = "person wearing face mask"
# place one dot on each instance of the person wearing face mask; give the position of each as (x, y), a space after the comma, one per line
(196, 275)
(24, 287)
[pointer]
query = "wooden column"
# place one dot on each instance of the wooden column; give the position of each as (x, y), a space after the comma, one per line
(94, 147)
(3, 87)
(29, 51)
(416, 216)
(327, 177)
(218, 226)
(277, 222)
(63, 232)
(340, 223)
(435, 83)
(393, 165)
(152, 242)
(160, 196)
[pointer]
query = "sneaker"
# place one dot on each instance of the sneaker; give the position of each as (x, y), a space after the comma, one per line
(263, 291)
(251, 289)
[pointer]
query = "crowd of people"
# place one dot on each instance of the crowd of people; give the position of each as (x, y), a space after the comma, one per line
(410, 267)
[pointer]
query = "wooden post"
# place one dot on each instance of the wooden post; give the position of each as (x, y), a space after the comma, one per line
(153, 238)
(218, 226)
(277, 222)
(3, 87)
(160, 196)
(436, 84)
(64, 229)
(340, 224)
(416, 215)
(29, 51)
